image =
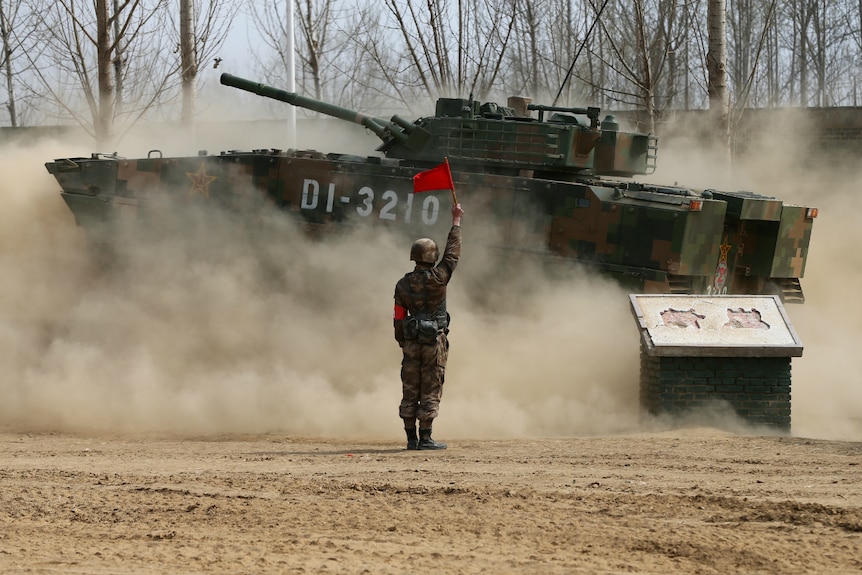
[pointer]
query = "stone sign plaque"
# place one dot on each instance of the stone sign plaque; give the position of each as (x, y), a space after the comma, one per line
(731, 326)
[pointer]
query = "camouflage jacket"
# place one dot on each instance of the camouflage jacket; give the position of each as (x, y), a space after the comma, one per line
(424, 289)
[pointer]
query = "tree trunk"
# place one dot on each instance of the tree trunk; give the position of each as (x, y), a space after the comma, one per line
(188, 61)
(804, 22)
(105, 116)
(312, 44)
(118, 58)
(5, 35)
(716, 63)
(647, 84)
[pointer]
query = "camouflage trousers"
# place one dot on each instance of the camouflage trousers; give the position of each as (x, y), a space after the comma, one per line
(423, 370)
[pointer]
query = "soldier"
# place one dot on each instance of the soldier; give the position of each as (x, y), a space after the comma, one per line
(421, 324)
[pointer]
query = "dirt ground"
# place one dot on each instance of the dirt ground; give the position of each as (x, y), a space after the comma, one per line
(235, 428)
(695, 500)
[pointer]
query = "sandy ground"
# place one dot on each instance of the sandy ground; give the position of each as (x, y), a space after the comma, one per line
(205, 423)
(688, 501)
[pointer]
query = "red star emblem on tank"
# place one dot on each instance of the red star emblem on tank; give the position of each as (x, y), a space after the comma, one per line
(719, 280)
(725, 249)
(200, 181)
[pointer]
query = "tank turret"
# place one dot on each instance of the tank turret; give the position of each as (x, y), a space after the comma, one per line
(496, 139)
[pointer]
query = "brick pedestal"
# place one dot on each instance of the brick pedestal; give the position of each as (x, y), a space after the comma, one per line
(756, 388)
(697, 352)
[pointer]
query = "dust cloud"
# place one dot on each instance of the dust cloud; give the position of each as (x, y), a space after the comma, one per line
(782, 161)
(827, 395)
(246, 331)
(232, 331)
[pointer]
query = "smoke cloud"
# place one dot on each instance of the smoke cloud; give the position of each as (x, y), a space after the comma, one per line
(234, 330)
(782, 161)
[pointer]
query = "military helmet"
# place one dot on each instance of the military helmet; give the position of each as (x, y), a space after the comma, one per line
(424, 251)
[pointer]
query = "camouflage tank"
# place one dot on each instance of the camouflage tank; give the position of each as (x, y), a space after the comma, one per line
(556, 184)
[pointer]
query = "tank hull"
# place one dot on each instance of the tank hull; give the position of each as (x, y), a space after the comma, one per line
(653, 239)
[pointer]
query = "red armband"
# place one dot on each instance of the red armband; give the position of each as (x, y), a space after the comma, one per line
(400, 312)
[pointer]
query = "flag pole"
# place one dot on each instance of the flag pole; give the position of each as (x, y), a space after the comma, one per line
(451, 183)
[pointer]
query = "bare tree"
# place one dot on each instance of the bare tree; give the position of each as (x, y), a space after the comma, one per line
(105, 49)
(742, 23)
(857, 37)
(801, 14)
(640, 36)
(367, 71)
(546, 37)
(716, 64)
(653, 55)
(773, 61)
(316, 50)
(749, 39)
(482, 58)
(832, 58)
(121, 45)
(314, 22)
(566, 57)
(188, 59)
(201, 30)
(14, 35)
(107, 63)
(688, 76)
(443, 48)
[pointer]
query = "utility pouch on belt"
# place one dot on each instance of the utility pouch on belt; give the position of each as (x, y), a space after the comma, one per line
(427, 331)
(411, 328)
(422, 330)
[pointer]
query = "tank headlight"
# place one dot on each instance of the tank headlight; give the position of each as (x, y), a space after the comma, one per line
(695, 205)
(811, 213)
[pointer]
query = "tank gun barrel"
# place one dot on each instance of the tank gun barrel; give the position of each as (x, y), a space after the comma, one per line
(384, 129)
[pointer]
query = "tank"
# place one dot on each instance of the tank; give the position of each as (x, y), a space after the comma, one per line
(556, 182)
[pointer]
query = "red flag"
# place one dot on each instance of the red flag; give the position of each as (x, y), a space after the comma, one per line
(437, 178)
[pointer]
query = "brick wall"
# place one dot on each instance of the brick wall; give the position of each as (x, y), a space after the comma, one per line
(756, 388)
(836, 131)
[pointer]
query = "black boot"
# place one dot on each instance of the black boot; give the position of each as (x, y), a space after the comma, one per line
(425, 441)
(412, 439)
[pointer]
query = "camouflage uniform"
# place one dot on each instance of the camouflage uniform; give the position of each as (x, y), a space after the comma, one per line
(422, 293)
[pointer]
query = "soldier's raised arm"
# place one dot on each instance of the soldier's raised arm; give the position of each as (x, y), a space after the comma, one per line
(457, 212)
